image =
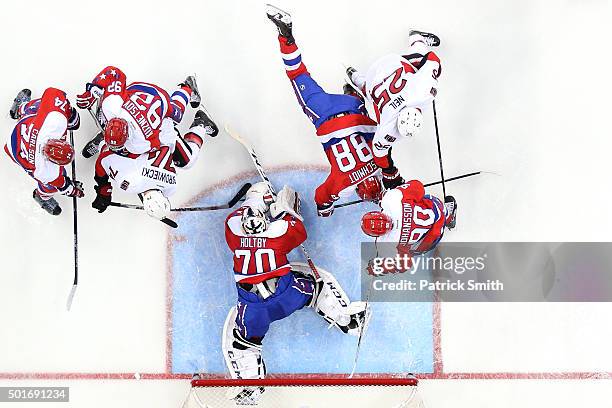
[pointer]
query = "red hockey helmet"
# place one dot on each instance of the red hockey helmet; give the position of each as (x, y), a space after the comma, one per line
(58, 151)
(116, 133)
(370, 189)
(376, 223)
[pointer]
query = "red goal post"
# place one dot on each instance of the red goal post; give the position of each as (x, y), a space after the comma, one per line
(311, 391)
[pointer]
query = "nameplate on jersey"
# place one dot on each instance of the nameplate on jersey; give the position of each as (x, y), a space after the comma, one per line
(158, 175)
(253, 242)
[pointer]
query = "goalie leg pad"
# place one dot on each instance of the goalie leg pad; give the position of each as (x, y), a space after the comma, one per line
(242, 356)
(332, 303)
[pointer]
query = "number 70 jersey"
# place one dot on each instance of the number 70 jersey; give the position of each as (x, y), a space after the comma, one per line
(259, 257)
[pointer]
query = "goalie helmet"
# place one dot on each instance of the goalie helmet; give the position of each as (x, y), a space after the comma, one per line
(409, 121)
(116, 133)
(58, 151)
(370, 189)
(156, 204)
(254, 221)
(376, 223)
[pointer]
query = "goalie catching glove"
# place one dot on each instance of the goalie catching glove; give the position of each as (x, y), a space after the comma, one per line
(287, 202)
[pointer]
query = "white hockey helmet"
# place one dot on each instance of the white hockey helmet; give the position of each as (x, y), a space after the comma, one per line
(254, 221)
(409, 121)
(156, 204)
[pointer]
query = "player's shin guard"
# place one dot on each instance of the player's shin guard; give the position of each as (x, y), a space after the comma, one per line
(292, 58)
(242, 357)
(334, 305)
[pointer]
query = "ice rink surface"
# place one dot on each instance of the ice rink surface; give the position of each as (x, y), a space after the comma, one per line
(524, 93)
(400, 335)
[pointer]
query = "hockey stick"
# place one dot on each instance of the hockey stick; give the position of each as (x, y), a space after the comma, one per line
(439, 149)
(166, 221)
(265, 178)
(95, 119)
(75, 232)
(425, 185)
(239, 195)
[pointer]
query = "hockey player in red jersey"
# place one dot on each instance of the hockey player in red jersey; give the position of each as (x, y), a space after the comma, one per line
(260, 234)
(414, 220)
(342, 124)
(400, 88)
(38, 144)
(147, 111)
(150, 175)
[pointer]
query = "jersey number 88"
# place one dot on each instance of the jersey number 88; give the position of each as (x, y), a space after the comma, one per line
(345, 155)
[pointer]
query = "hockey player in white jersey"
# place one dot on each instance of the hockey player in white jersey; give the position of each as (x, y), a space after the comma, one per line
(150, 175)
(400, 88)
(260, 234)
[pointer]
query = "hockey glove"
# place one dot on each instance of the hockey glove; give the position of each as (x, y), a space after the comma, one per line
(103, 197)
(260, 196)
(450, 205)
(89, 97)
(392, 178)
(325, 210)
(75, 119)
(74, 189)
(287, 201)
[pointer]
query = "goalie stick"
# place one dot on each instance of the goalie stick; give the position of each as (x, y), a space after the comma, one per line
(75, 232)
(239, 195)
(265, 178)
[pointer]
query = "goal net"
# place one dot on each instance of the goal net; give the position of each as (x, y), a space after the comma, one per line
(305, 392)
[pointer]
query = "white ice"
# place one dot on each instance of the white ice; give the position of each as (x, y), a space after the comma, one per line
(524, 94)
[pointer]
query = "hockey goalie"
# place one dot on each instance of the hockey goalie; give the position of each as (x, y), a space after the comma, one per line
(261, 233)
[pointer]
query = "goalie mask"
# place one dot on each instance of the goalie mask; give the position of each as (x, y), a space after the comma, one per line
(254, 221)
(409, 121)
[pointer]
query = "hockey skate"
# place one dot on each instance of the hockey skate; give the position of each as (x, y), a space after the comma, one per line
(282, 20)
(191, 83)
(93, 146)
(51, 206)
(431, 39)
(24, 96)
(202, 119)
(351, 87)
